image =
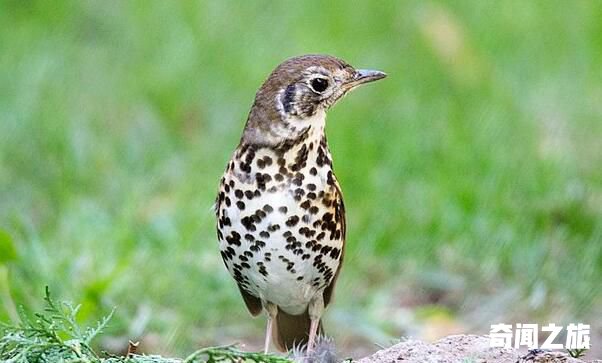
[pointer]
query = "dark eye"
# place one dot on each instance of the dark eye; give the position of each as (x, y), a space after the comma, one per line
(319, 84)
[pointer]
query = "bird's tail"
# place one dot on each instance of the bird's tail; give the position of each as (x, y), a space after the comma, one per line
(291, 330)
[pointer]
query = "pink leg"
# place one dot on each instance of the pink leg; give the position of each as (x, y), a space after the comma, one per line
(272, 311)
(316, 308)
(268, 335)
(313, 329)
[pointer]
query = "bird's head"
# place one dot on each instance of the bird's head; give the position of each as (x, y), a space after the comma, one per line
(297, 94)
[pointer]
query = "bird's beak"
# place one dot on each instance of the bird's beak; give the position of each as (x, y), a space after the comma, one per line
(364, 76)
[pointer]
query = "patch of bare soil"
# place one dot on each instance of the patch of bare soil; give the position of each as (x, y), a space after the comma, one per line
(463, 349)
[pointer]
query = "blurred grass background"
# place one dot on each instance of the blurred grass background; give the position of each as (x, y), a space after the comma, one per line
(472, 175)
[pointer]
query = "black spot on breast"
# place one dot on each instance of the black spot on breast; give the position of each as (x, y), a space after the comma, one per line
(292, 221)
(238, 193)
(228, 201)
(273, 227)
(334, 254)
(268, 208)
(330, 178)
(260, 179)
(314, 210)
(263, 271)
(264, 234)
(245, 167)
(283, 209)
(248, 223)
(226, 221)
(300, 158)
(250, 156)
(233, 238)
(298, 194)
(240, 205)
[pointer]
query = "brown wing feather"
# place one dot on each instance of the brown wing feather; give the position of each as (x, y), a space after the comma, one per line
(253, 303)
(340, 212)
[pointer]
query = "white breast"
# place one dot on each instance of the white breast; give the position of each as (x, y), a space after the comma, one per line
(273, 232)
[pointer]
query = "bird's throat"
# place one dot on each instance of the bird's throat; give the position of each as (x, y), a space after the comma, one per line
(285, 131)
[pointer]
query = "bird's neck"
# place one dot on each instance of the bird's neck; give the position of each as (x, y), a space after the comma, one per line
(284, 130)
(309, 148)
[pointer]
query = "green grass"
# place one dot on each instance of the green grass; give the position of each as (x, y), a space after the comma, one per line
(471, 175)
(55, 336)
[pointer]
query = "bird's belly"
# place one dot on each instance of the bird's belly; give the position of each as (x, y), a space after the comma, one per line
(283, 289)
(275, 245)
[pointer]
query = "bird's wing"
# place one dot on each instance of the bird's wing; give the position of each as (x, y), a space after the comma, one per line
(339, 215)
(253, 303)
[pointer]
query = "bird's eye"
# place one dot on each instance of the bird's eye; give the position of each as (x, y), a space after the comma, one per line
(319, 85)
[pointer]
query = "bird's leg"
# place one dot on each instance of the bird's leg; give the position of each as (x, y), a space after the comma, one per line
(313, 328)
(272, 311)
(316, 308)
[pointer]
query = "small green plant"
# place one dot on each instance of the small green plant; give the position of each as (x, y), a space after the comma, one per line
(576, 353)
(54, 336)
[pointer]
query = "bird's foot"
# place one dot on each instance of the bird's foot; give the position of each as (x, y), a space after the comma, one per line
(324, 351)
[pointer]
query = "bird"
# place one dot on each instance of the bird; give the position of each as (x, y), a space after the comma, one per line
(280, 215)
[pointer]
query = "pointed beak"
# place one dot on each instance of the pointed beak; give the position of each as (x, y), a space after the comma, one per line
(365, 76)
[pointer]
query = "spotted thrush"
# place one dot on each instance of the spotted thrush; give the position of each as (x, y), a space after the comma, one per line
(280, 214)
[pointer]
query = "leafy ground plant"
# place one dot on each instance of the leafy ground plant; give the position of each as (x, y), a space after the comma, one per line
(54, 336)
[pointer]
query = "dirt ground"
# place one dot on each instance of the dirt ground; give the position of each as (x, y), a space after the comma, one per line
(465, 349)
